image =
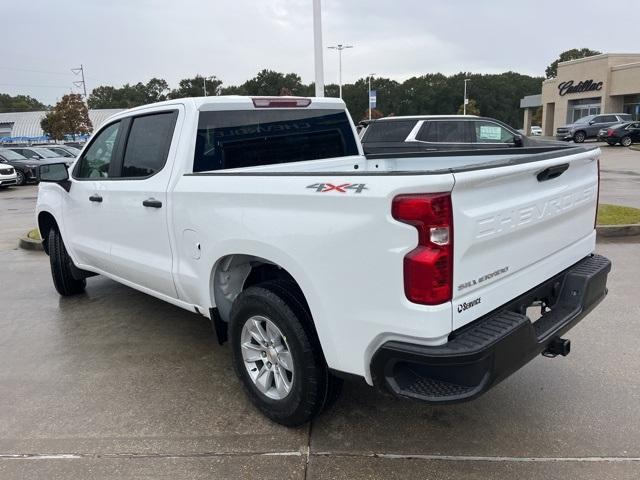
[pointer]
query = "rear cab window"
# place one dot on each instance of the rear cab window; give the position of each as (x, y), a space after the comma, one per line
(250, 138)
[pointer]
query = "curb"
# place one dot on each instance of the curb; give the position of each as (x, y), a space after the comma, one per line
(611, 231)
(30, 244)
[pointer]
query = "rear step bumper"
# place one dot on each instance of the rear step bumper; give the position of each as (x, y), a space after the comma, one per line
(483, 353)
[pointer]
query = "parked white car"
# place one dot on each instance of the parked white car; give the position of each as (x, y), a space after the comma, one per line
(7, 175)
(536, 131)
(413, 271)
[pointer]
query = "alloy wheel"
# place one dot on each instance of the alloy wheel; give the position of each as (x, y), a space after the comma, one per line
(267, 357)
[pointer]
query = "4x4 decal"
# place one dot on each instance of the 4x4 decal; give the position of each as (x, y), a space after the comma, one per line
(343, 188)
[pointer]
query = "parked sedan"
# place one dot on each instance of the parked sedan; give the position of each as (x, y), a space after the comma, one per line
(61, 151)
(26, 169)
(623, 133)
(40, 153)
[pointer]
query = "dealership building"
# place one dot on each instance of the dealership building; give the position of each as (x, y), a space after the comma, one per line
(607, 83)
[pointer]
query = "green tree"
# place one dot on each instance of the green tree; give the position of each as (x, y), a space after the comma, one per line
(269, 83)
(129, 96)
(19, 103)
(472, 108)
(573, 54)
(194, 87)
(68, 117)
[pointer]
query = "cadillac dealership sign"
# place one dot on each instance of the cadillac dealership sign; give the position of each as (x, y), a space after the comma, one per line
(584, 86)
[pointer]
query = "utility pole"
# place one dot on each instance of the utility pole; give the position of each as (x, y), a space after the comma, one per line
(340, 48)
(80, 70)
(317, 47)
(464, 105)
(204, 85)
(370, 78)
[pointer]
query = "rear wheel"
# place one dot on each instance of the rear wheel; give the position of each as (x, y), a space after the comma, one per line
(625, 141)
(61, 265)
(579, 137)
(277, 355)
(20, 178)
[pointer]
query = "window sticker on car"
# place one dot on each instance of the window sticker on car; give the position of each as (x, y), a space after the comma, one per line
(489, 133)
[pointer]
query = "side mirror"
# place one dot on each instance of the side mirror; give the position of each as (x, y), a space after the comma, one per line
(591, 122)
(517, 140)
(55, 173)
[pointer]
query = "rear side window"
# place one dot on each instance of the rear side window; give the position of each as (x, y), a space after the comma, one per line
(237, 139)
(444, 131)
(389, 131)
(148, 144)
(608, 119)
(626, 117)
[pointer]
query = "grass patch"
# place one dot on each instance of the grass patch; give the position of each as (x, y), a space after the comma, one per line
(617, 215)
(34, 234)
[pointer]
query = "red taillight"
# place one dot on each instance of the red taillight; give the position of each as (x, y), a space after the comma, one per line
(281, 102)
(609, 132)
(428, 269)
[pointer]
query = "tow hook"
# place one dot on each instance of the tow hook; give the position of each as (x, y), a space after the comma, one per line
(557, 346)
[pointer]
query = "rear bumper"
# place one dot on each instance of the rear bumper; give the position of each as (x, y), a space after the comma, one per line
(481, 354)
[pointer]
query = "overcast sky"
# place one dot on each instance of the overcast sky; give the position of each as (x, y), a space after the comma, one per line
(121, 41)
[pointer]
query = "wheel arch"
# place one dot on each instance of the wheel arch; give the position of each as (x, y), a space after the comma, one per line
(46, 221)
(233, 273)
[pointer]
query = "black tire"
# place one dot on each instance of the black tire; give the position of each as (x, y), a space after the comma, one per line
(626, 141)
(21, 179)
(63, 279)
(313, 387)
(579, 137)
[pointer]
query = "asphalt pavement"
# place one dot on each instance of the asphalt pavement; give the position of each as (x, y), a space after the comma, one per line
(116, 384)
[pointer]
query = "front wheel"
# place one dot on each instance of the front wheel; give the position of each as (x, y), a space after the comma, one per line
(579, 137)
(277, 355)
(61, 264)
(20, 178)
(625, 141)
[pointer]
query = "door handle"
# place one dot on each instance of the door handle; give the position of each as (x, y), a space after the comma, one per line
(152, 202)
(552, 172)
(95, 198)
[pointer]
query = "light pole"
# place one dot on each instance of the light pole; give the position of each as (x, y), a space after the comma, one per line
(464, 105)
(370, 77)
(317, 47)
(340, 48)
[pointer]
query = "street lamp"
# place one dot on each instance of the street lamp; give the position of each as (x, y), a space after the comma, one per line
(317, 44)
(339, 48)
(464, 105)
(370, 78)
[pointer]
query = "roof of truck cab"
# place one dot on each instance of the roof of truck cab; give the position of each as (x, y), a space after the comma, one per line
(236, 102)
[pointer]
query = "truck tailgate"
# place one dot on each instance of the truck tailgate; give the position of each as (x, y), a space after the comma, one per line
(517, 225)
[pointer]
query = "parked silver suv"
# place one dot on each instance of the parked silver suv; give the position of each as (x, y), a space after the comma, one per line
(588, 127)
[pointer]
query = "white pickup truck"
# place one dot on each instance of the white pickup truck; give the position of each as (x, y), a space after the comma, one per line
(432, 275)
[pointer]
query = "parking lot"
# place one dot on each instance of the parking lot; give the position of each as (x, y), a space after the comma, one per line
(117, 384)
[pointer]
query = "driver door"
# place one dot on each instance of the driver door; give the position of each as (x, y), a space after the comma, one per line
(86, 226)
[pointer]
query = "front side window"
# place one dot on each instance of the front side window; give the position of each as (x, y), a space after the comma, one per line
(96, 160)
(148, 144)
(238, 139)
(489, 132)
(608, 119)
